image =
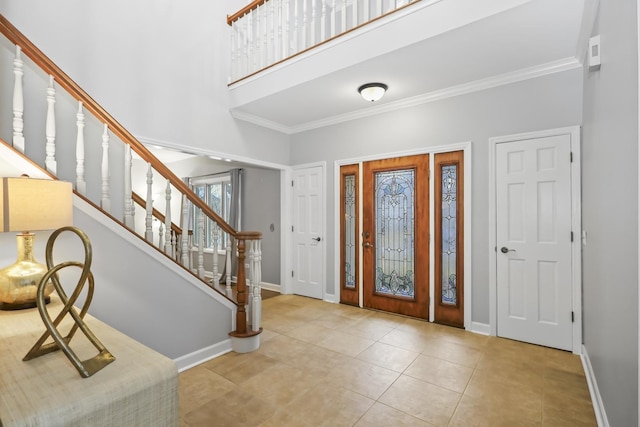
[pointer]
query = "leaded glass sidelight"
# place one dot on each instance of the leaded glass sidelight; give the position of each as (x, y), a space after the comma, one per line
(350, 231)
(449, 234)
(394, 223)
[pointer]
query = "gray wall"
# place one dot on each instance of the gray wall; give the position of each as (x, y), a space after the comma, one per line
(159, 67)
(610, 213)
(542, 103)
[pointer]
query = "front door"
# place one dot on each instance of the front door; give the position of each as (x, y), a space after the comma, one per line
(395, 235)
(308, 211)
(533, 235)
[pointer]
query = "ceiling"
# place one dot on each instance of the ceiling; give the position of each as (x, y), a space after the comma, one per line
(445, 48)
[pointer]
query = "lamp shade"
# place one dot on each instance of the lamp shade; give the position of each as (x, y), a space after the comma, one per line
(29, 204)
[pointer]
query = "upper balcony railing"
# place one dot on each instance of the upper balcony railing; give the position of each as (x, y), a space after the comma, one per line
(267, 32)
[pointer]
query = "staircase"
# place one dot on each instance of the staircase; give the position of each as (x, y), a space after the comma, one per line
(150, 280)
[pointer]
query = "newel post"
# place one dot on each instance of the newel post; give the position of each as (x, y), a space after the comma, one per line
(243, 339)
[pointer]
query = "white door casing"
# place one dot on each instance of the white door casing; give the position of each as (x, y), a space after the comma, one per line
(535, 239)
(307, 229)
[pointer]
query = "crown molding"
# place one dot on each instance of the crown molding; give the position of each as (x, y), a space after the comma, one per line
(553, 67)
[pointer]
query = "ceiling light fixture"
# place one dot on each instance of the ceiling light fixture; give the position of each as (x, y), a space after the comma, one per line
(372, 91)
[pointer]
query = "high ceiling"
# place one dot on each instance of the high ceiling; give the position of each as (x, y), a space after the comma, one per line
(438, 49)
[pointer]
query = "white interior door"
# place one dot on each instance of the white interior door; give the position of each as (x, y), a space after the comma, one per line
(533, 236)
(308, 238)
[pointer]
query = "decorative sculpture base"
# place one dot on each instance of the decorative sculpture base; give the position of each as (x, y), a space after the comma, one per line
(87, 367)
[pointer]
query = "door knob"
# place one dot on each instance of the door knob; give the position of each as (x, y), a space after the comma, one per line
(317, 239)
(504, 250)
(367, 245)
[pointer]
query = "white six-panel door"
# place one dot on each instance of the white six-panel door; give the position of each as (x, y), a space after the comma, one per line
(308, 220)
(533, 237)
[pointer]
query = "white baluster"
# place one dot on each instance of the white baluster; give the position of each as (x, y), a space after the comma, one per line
(296, 26)
(323, 22)
(354, 10)
(201, 245)
(256, 274)
(167, 219)
(185, 234)
(378, 8)
(251, 60)
(275, 31)
(249, 278)
(228, 264)
(333, 18)
(215, 230)
(174, 243)
(365, 12)
(265, 36)
(148, 221)
(129, 209)
(257, 28)
(305, 26)
(343, 26)
(314, 23)
(234, 58)
(18, 102)
(105, 199)
(245, 46)
(286, 19)
(50, 130)
(81, 185)
(160, 236)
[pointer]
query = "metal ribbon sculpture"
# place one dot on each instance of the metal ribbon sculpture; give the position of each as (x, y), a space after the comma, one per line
(87, 367)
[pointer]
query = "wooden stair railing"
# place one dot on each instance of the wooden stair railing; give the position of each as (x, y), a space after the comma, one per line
(85, 102)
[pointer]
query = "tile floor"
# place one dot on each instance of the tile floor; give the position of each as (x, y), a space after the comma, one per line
(323, 364)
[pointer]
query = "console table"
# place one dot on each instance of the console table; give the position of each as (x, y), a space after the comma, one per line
(140, 388)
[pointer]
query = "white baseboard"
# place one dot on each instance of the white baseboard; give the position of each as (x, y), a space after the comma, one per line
(596, 399)
(270, 286)
(480, 328)
(200, 356)
(331, 298)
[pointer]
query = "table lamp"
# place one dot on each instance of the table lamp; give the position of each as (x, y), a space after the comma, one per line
(26, 205)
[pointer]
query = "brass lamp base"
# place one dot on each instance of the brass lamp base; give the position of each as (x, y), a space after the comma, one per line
(19, 281)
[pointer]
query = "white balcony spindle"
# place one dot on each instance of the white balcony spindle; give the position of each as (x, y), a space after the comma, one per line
(185, 234)
(160, 236)
(81, 185)
(314, 22)
(354, 13)
(267, 35)
(365, 11)
(333, 18)
(129, 209)
(304, 43)
(105, 198)
(323, 21)
(245, 46)
(275, 31)
(167, 219)
(251, 66)
(343, 21)
(215, 234)
(256, 275)
(233, 72)
(50, 130)
(378, 8)
(18, 102)
(286, 38)
(228, 264)
(296, 27)
(148, 220)
(201, 245)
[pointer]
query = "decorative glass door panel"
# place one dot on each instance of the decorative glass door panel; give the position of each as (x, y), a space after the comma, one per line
(395, 237)
(349, 231)
(449, 238)
(394, 232)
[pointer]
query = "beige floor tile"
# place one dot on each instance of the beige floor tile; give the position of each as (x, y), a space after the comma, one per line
(281, 384)
(408, 340)
(346, 344)
(440, 372)
(310, 333)
(366, 328)
(198, 386)
(267, 335)
(235, 408)
(384, 416)
(426, 401)
(363, 378)
(559, 407)
(283, 348)
(283, 418)
(325, 405)
(475, 413)
(390, 357)
(456, 353)
(336, 321)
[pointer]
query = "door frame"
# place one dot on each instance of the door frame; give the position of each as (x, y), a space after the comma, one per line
(466, 147)
(576, 226)
(323, 222)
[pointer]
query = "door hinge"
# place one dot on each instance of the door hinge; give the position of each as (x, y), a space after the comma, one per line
(572, 317)
(571, 157)
(572, 236)
(292, 183)
(292, 228)
(291, 273)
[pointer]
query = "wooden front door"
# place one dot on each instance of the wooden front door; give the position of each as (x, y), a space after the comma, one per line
(395, 235)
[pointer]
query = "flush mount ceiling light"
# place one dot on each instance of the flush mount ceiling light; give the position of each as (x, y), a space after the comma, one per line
(372, 91)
